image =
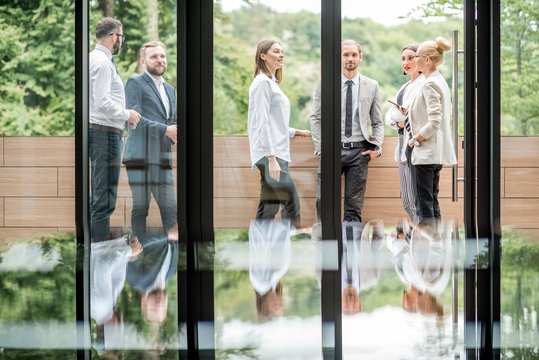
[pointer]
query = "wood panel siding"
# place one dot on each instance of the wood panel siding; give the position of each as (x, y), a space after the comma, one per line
(28, 182)
(39, 151)
(37, 185)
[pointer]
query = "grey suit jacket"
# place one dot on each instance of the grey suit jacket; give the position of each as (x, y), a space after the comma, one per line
(148, 144)
(370, 114)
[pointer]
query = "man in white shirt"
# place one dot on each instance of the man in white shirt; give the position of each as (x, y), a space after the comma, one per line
(362, 129)
(147, 155)
(108, 116)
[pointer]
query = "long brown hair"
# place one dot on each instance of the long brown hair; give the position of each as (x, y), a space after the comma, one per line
(260, 65)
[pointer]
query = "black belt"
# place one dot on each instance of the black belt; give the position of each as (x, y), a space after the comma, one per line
(352, 145)
(105, 128)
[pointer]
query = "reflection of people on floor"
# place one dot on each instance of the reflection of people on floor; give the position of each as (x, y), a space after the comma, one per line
(150, 272)
(108, 262)
(270, 253)
(422, 262)
(360, 262)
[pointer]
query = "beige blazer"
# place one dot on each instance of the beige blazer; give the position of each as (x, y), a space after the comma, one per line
(430, 115)
(370, 113)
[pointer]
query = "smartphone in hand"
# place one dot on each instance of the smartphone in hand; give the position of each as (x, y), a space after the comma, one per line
(394, 103)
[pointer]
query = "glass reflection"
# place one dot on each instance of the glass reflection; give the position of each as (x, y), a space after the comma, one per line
(423, 257)
(404, 293)
(360, 262)
(147, 264)
(108, 265)
(270, 253)
(267, 293)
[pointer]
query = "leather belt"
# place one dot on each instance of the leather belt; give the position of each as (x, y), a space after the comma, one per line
(351, 145)
(105, 128)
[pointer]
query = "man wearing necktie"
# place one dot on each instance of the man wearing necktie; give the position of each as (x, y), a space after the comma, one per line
(362, 129)
(147, 155)
(108, 117)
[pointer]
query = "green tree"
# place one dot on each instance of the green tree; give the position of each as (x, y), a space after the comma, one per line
(37, 65)
(519, 60)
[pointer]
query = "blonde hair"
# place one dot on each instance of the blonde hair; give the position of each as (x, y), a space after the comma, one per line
(353, 43)
(435, 50)
(150, 44)
(260, 65)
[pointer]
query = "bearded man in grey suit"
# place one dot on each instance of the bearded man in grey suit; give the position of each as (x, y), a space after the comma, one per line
(147, 155)
(362, 129)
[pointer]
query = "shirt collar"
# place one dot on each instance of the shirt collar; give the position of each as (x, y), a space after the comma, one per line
(155, 81)
(105, 50)
(355, 79)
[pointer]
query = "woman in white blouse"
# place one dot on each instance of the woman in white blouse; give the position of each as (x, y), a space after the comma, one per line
(430, 116)
(395, 119)
(269, 135)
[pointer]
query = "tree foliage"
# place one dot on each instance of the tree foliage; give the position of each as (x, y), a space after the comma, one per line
(519, 50)
(37, 65)
(300, 35)
(37, 57)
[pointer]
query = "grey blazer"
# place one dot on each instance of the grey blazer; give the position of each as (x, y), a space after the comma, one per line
(370, 114)
(148, 144)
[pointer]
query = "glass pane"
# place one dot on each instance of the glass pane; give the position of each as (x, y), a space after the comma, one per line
(134, 248)
(37, 197)
(401, 274)
(519, 189)
(267, 288)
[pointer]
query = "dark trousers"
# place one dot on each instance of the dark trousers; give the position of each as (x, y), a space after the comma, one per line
(425, 180)
(355, 168)
(275, 194)
(105, 159)
(145, 180)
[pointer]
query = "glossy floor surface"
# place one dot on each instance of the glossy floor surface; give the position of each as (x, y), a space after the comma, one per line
(401, 289)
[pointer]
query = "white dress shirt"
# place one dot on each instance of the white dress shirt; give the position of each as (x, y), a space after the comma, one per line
(108, 265)
(268, 120)
(270, 252)
(360, 258)
(107, 96)
(357, 134)
(160, 85)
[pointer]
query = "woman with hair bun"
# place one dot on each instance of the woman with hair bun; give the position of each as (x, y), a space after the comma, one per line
(430, 144)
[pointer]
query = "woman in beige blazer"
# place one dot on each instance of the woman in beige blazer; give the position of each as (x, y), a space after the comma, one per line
(429, 129)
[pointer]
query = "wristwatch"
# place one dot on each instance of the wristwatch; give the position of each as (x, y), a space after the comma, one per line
(416, 142)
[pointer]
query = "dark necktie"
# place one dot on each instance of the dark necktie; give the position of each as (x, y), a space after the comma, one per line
(113, 63)
(348, 123)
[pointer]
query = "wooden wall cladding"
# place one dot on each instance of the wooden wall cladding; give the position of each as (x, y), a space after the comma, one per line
(37, 185)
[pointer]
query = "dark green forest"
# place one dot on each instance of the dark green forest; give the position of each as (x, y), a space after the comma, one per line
(37, 57)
